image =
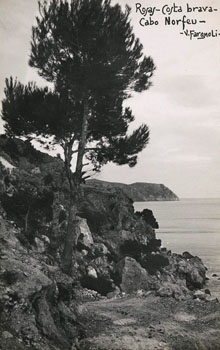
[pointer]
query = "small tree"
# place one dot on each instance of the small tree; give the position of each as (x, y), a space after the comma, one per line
(27, 199)
(87, 49)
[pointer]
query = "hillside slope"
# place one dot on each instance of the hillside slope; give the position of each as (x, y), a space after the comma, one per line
(140, 191)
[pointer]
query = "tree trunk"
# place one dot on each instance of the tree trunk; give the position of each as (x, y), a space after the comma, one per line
(82, 141)
(26, 220)
(73, 230)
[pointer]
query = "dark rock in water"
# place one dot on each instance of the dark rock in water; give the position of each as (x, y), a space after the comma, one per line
(163, 250)
(187, 255)
(148, 216)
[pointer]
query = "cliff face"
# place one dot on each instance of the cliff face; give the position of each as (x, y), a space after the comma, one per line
(139, 191)
(117, 254)
(36, 298)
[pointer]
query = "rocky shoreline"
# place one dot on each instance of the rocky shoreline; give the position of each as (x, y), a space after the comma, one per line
(124, 292)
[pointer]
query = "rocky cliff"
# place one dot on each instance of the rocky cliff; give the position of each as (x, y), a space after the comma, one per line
(139, 191)
(118, 263)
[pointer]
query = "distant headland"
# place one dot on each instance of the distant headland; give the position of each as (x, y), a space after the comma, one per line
(140, 191)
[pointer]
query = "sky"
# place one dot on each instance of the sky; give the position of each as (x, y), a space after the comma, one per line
(181, 108)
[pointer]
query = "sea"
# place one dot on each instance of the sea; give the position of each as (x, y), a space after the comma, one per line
(191, 225)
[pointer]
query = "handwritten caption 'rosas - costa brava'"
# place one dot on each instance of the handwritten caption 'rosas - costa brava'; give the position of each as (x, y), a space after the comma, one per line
(187, 21)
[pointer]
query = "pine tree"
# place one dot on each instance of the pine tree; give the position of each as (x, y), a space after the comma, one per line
(88, 50)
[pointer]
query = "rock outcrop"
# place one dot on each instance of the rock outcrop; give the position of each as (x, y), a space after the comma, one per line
(117, 253)
(112, 220)
(33, 296)
(131, 277)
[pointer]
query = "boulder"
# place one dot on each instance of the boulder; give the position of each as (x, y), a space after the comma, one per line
(103, 266)
(64, 283)
(92, 272)
(45, 319)
(85, 237)
(7, 335)
(165, 291)
(188, 268)
(49, 325)
(100, 249)
(98, 276)
(172, 290)
(115, 294)
(23, 273)
(194, 272)
(131, 277)
(45, 239)
(102, 285)
(24, 278)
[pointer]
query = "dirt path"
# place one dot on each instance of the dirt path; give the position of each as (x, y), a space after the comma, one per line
(151, 323)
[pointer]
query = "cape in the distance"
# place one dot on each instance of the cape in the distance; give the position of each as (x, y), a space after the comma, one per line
(139, 191)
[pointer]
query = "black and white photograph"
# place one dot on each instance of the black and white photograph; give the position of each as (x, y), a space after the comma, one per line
(109, 175)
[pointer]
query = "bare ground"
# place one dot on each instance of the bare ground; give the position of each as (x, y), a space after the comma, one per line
(136, 323)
